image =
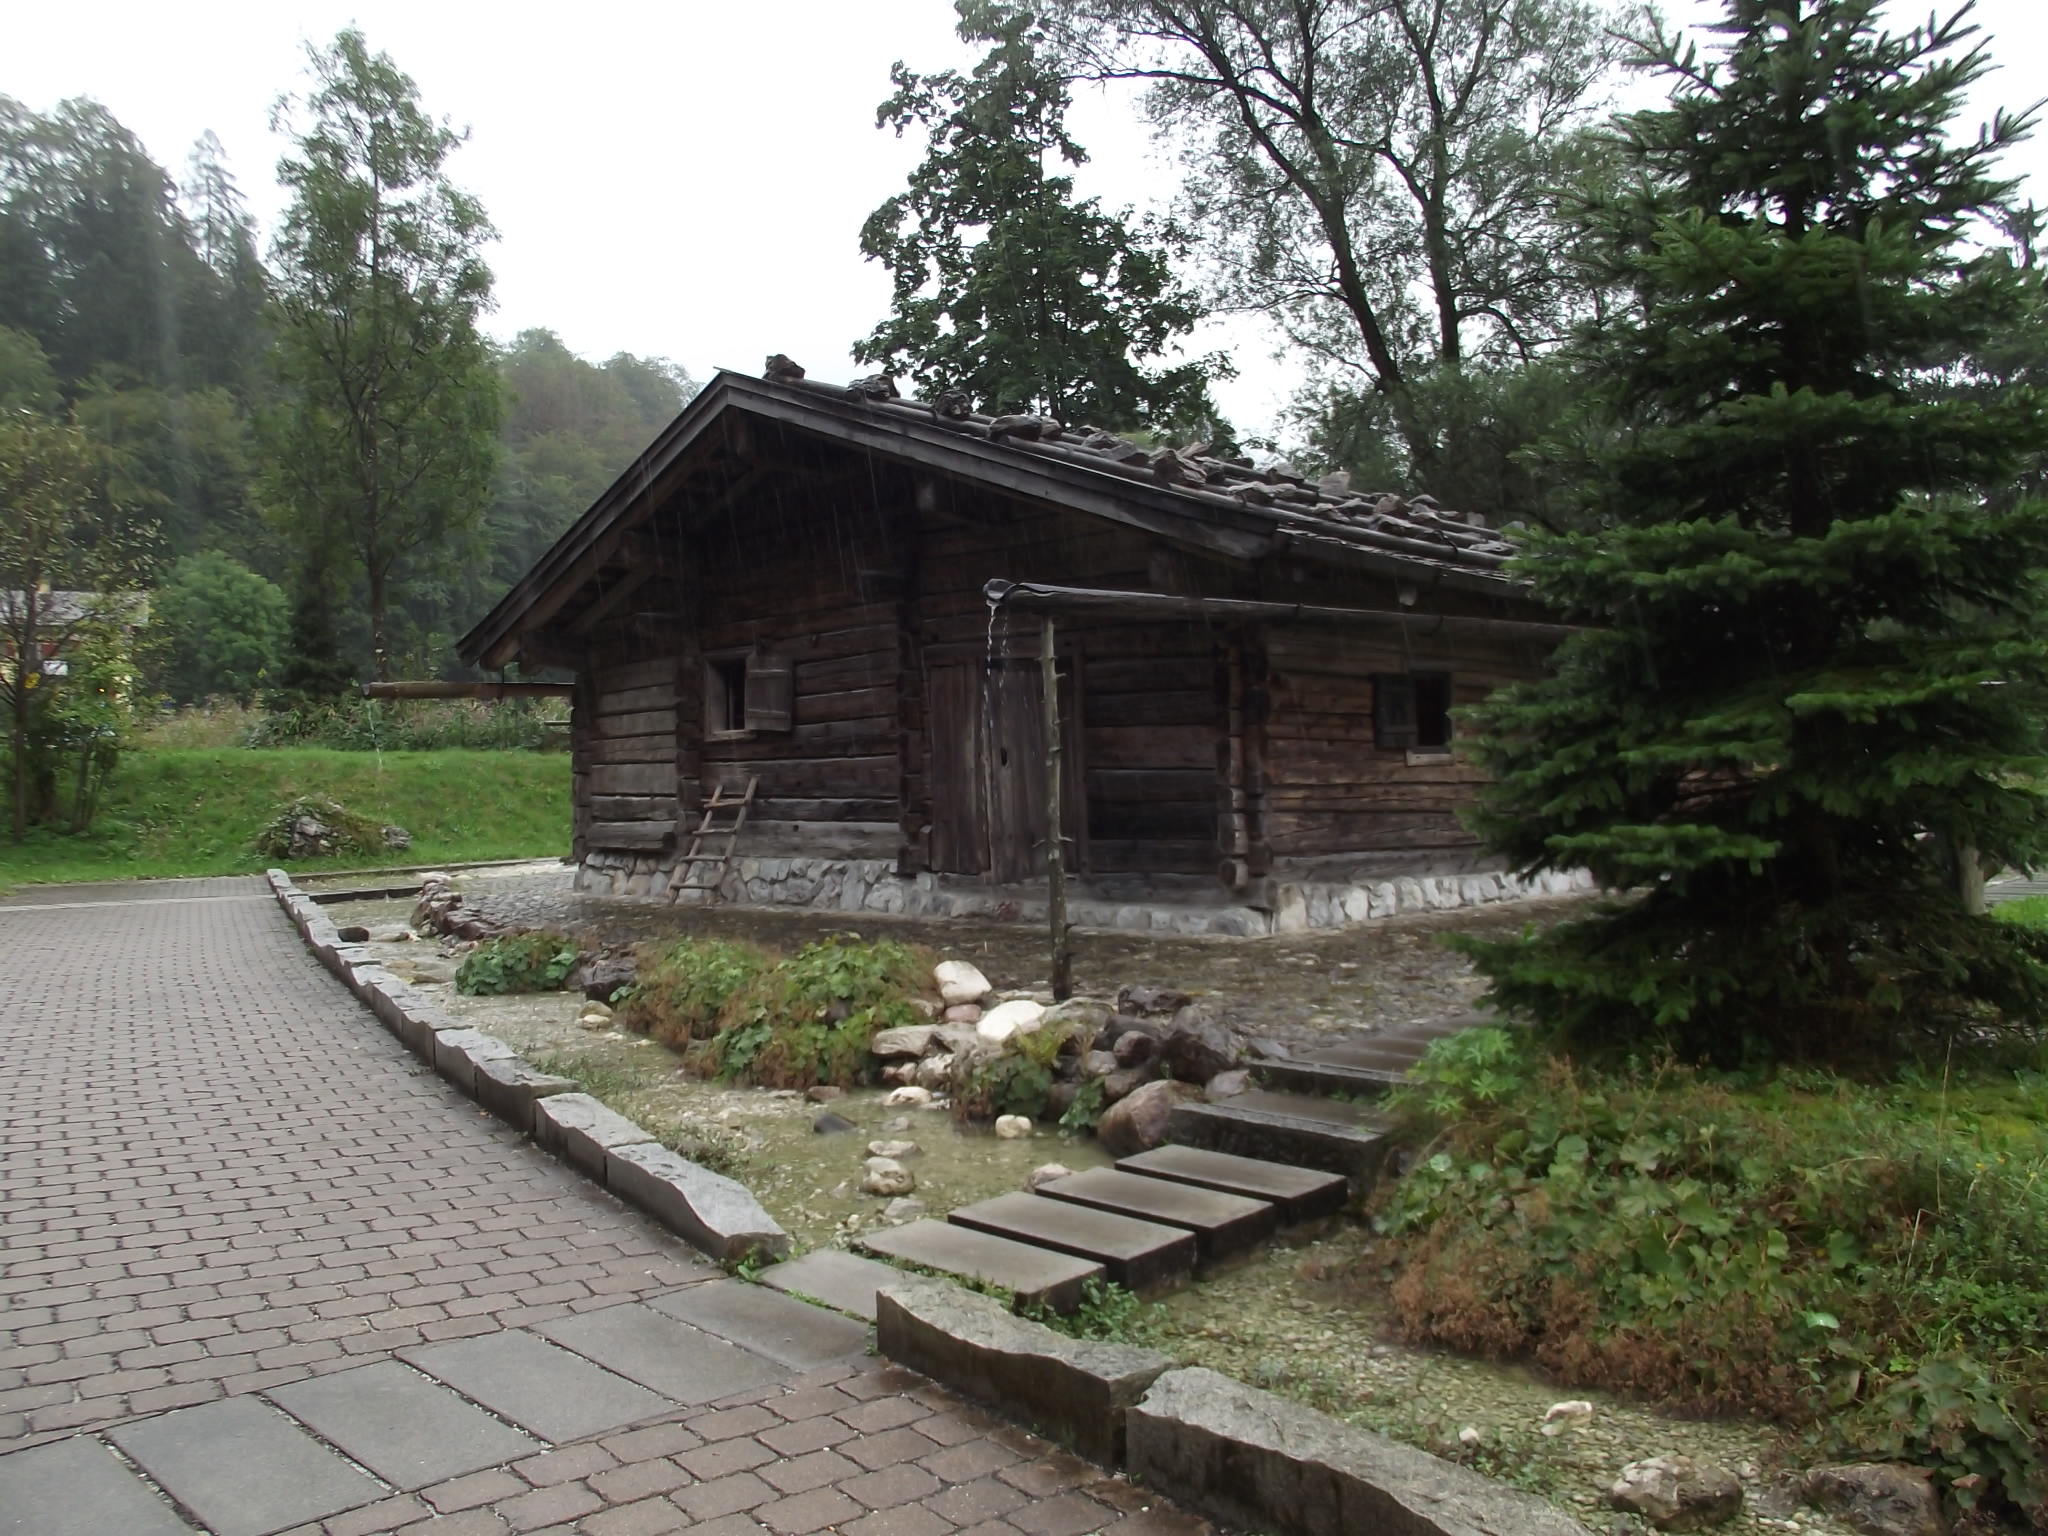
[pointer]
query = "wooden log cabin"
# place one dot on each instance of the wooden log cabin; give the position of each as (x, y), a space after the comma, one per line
(792, 586)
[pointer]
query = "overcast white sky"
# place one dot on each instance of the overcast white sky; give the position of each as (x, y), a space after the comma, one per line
(684, 180)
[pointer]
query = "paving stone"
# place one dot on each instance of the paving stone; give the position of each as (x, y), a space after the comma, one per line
(1223, 1224)
(244, 1468)
(1301, 1193)
(794, 1332)
(835, 1277)
(1140, 1254)
(1074, 1391)
(576, 1127)
(1036, 1277)
(654, 1349)
(77, 1488)
(1252, 1459)
(719, 1216)
(558, 1395)
(406, 1429)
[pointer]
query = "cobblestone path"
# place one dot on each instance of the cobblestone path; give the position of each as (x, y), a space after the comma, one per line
(260, 1271)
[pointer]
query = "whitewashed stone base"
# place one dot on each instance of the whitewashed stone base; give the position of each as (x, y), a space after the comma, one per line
(872, 885)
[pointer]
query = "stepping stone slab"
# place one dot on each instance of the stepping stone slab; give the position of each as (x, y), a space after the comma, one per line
(793, 1332)
(1222, 1224)
(655, 1350)
(557, 1395)
(244, 1468)
(1253, 1460)
(837, 1278)
(1301, 1194)
(77, 1488)
(408, 1430)
(712, 1213)
(579, 1129)
(1303, 1129)
(1142, 1255)
(1074, 1391)
(1036, 1277)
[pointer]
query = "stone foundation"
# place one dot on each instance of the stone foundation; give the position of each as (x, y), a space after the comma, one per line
(872, 885)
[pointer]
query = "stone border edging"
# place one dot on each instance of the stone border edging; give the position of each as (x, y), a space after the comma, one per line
(1214, 1445)
(711, 1212)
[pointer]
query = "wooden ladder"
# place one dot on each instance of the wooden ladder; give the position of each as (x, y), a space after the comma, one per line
(719, 863)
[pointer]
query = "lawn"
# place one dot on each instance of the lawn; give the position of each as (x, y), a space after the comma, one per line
(195, 811)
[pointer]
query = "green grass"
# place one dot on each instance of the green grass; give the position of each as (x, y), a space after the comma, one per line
(2027, 911)
(196, 811)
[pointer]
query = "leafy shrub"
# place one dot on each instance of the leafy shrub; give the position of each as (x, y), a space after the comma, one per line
(798, 1021)
(1107, 1312)
(1010, 1084)
(1085, 1113)
(1872, 1262)
(680, 993)
(415, 725)
(1020, 1080)
(521, 962)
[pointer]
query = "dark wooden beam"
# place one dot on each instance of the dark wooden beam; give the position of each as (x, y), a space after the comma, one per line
(1040, 597)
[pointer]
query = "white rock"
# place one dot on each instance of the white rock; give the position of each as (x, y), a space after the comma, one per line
(909, 1094)
(593, 1021)
(899, 1123)
(1469, 1436)
(1576, 1408)
(594, 1008)
(1045, 1173)
(893, 1149)
(1013, 1127)
(886, 1176)
(911, 1040)
(960, 982)
(1014, 1018)
(909, 1208)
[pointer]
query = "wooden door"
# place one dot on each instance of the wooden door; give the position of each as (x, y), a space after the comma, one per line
(1014, 760)
(988, 770)
(957, 786)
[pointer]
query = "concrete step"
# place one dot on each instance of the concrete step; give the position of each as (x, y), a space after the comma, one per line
(1361, 1068)
(1223, 1224)
(1305, 1130)
(1142, 1255)
(1037, 1277)
(1298, 1194)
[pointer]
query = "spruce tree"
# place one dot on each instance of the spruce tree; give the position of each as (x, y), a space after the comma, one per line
(1807, 706)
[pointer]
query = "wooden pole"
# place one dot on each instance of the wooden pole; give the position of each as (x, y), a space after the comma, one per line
(1055, 848)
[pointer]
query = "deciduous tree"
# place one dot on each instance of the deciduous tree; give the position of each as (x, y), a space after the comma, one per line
(1376, 175)
(384, 442)
(1008, 287)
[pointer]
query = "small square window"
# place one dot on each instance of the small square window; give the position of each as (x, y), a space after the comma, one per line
(1412, 711)
(725, 696)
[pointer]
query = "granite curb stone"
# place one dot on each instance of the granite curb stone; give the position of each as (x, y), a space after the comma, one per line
(718, 1215)
(1075, 1391)
(1252, 1459)
(711, 1212)
(578, 1129)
